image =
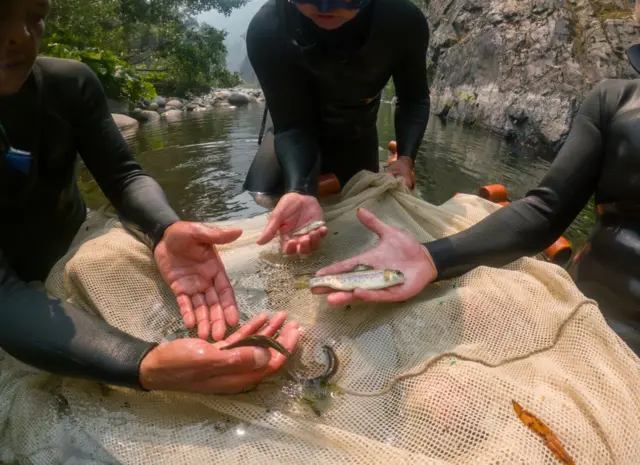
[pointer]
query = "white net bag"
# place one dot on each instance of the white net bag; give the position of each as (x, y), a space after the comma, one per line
(427, 381)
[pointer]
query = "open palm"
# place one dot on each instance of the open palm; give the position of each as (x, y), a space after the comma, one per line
(396, 250)
(295, 211)
(189, 263)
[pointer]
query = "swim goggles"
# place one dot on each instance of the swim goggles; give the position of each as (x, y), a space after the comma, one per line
(16, 159)
(325, 6)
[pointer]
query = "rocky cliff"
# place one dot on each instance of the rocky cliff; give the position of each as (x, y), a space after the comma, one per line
(521, 67)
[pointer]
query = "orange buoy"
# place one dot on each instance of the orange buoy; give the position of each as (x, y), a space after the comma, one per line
(328, 185)
(493, 192)
(392, 147)
(559, 252)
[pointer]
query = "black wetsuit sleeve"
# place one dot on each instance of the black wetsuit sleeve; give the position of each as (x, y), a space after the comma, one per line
(529, 225)
(59, 338)
(137, 197)
(290, 104)
(412, 88)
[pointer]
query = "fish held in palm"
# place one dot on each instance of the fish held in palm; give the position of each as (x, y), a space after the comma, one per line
(361, 277)
(308, 228)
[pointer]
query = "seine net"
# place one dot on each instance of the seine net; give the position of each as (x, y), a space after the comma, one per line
(427, 381)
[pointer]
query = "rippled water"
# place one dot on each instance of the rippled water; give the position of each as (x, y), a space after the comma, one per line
(201, 159)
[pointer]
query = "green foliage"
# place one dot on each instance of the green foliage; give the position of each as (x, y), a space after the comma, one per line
(120, 80)
(138, 46)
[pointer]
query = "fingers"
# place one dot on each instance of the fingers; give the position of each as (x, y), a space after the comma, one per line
(186, 310)
(274, 325)
(227, 297)
(289, 339)
(340, 298)
(202, 315)
(212, 235)
(272, 228)
(249, 328)
(380, 296)
(216, 315)
(238, 360)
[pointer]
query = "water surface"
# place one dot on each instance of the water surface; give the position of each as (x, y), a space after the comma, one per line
(201, 160)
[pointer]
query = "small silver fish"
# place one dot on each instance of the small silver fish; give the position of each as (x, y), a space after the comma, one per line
(308, 228)
(361, 277)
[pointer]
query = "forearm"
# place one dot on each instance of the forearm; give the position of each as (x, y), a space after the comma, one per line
(62, 339)
(298, 154)
(411, 119)
(142, 201)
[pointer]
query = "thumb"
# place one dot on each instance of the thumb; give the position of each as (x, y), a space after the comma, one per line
(272, 228)
(238, 360)
(370, 221)
(216, 235)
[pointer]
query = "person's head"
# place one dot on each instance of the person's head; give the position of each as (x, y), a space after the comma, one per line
(21, 30)
(330, 14)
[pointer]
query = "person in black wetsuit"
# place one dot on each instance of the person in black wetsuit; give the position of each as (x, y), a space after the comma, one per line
(51, 110)
(322, 65)
(601, 155)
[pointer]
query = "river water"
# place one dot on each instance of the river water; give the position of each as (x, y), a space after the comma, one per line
(201, 160)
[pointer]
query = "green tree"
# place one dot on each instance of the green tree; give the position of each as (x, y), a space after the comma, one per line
(137, 45)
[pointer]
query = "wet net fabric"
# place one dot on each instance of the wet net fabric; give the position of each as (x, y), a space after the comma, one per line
(428, 381)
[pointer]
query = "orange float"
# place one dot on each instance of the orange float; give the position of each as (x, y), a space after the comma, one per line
(558, 253)
(328, 185)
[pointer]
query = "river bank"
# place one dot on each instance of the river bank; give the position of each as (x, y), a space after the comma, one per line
(167, 107)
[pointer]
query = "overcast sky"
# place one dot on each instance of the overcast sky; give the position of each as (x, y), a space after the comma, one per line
(236, 23)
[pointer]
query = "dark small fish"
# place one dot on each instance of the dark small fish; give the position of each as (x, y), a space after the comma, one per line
(330, 371)
(257, 340)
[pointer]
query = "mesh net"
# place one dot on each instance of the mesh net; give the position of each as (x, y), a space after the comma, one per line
(427, 381)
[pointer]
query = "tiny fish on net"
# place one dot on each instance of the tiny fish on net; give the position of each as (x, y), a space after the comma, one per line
(308, 228)
(361, 277)
(257, 340)
(538, 427)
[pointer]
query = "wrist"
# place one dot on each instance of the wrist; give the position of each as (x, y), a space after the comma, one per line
(159, 233)
(145, 380)
(406, 159)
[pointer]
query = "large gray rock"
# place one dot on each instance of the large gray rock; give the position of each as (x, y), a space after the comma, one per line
(160, 101)
(154, 106)
(150, 115)
(124, 121)
(521, 69)
(175, 104)
(238, 99)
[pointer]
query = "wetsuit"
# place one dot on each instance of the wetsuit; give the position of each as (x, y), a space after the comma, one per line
(323, 91)
(61, 112)
(601, 155)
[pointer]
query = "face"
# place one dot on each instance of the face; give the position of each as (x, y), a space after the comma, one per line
(21, 30)
(331, 19)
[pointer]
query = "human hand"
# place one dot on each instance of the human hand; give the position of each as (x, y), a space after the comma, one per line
(294, 211)
(194, 365)
(396, 250)
(189, 263)
(402, 168)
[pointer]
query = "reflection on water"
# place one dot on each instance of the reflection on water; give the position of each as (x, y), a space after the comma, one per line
(201, 159)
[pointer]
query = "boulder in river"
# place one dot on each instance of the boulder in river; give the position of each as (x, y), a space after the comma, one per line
(154, 106)
(172, 114)
(124, 121)
(238, 99)
(160, 101)
(521, 69)
(150, 115)
(175, 104)
(192, 106)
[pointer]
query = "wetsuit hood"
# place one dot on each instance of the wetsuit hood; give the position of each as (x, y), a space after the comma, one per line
(325, 6)
(633, 53)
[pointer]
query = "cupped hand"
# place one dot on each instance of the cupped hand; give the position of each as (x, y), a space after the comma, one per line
(194, 365)
(402, 168)
(293, 212)
(396, 250)
(189, 263)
